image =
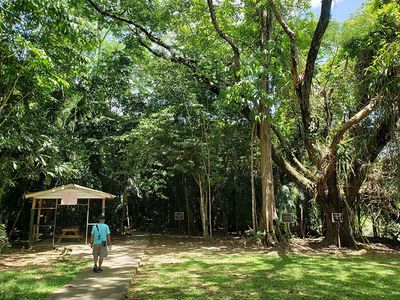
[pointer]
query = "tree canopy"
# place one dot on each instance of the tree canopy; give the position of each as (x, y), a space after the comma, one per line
(177, 105)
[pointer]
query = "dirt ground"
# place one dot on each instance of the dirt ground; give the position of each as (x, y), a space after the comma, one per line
(45, 255)
(315, 245)
(39, 256)
(297, 245)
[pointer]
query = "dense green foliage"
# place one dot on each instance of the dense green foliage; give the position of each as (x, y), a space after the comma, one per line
(142, 99)
(3, 237)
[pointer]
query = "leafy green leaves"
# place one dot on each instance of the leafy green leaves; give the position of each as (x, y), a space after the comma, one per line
(44, 51)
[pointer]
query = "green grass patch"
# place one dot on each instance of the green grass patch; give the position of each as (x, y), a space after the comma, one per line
(201, 272)
(37, 282)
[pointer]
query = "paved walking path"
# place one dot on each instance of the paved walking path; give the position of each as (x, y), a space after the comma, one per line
(118, 270)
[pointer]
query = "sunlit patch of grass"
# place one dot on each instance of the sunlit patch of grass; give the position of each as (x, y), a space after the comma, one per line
(175, 273)
(36, 282)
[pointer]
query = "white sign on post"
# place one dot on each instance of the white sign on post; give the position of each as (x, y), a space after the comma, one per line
(69, 197)
(337, 218)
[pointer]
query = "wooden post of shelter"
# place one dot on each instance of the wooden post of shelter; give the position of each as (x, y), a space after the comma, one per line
(55, 223)
(103, 207)
(37, 227)
(87, 221)
(31, 221)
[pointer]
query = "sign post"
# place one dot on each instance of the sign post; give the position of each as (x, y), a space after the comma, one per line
(287, 218)
(337, 218)
(179, 216)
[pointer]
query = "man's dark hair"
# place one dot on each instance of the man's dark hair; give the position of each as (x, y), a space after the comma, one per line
(101, 217)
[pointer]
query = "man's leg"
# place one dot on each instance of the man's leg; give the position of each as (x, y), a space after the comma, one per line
(102, 255)
(100, 261)
(95, 258)
(96, 253)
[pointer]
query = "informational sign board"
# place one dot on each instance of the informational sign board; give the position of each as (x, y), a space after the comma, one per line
(69, 197)
(337, 218)
(179, 216)
(287, 218)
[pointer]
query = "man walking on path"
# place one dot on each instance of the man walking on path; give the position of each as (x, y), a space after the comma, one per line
(98, 241)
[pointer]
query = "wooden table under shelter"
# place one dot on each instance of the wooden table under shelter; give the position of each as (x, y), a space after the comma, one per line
(69, 233)
(63, 195)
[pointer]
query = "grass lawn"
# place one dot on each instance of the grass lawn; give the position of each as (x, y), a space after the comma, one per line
(37, 282)
(188, 269)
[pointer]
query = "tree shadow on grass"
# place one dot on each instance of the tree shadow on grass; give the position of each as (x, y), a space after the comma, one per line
(203, 271)
(35, 283)
(327, 277)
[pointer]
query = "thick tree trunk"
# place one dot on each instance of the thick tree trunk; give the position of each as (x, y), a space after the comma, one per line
(360, 230)
(122, 220)
(209, 197)
(203, 207)
(123, 215)
(302, 230)
(375, 226)
(225, 219)
(344, 228)
(236, 209)
(188, 213)
(253, 189)
(334, 204)
(268, 210)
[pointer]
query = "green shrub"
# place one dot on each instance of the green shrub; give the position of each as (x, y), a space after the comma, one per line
(3, 237)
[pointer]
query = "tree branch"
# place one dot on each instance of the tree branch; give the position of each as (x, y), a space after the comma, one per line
(354, 120)
(293, 48)
(297, 164)
(13, 108)
(266, 28)
(228, 39)
(304, 183)
(302, 84)
(149, 35)
(173, 55)
(315, 45)
(8, 94)
(304, 90)
(375, 142)
(330, 156)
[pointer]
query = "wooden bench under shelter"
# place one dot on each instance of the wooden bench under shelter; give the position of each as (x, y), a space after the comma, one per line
(64, 195)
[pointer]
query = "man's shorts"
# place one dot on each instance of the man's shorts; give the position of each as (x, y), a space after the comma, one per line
(99, 250)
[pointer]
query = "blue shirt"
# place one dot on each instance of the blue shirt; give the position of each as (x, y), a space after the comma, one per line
(100, 234)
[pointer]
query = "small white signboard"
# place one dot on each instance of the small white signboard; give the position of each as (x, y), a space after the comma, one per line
(69, 197)
(337, 218)
(179, 216)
